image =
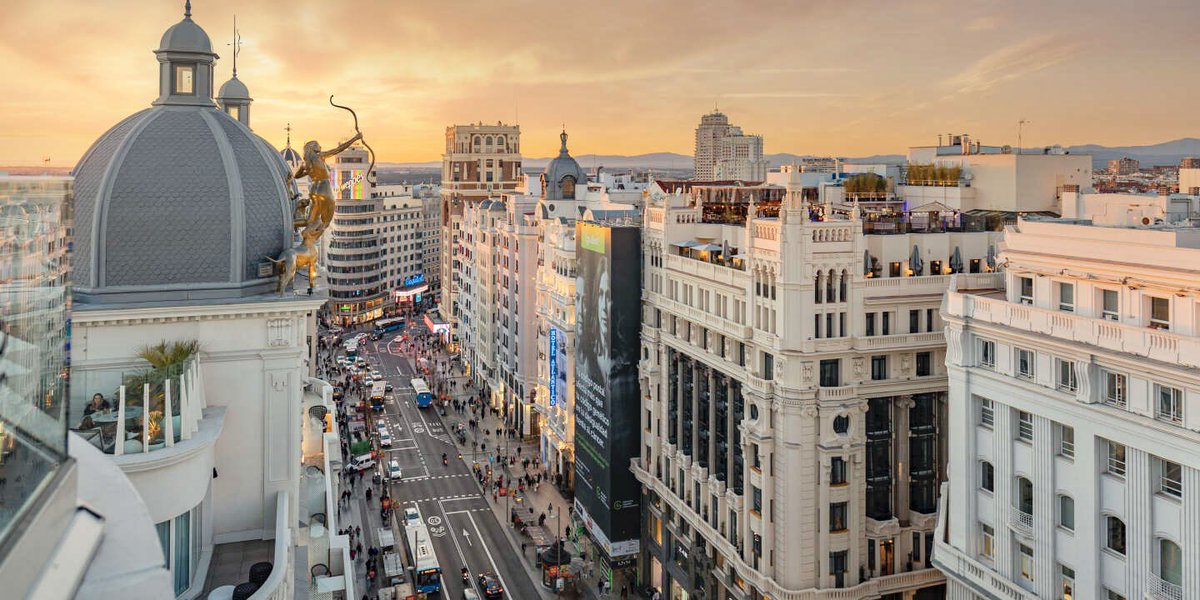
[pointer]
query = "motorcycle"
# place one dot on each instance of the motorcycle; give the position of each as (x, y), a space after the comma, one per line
(445, 461)
(466, 575)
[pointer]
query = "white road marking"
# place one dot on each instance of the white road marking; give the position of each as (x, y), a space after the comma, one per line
(482, 541)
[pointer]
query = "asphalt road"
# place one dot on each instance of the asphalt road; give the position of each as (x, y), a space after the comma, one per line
(461, 523)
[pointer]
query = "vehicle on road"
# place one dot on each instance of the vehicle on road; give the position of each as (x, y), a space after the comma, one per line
(375, 374)
(469, 593)
(394, 471)
(380, 424)
(351, 349)
(427, 574)
(412, 517)
(385, 438)
(360, 463)
(377, 393)
(424, 396)
(388, 386)
(490, 586)
(383, 326)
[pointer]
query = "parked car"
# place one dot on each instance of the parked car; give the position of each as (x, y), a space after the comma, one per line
(380, 424)
(385, 438)
(394, 471)
(361, 463)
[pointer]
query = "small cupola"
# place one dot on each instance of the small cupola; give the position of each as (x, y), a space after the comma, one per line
(185, 60)
(234, 98)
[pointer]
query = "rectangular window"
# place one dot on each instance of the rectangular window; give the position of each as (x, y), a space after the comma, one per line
(1168, 404)
(837, 562)
(1066, 512)
(986, 541)
(837, 471)
(756, 499)
(1066, 582)
(1025, 554)
(894, 269)
(768, 367)
(1066, 440)
(887, 323)
(1066, 297)
(974, 265)
(1115, 389)
(1116, 460)
(1066, 380)
(837, 517)
(870, 324)
(987, 417)
(924, 364)
(1111, 595)
(987, 476)
(830, 372)
(987, 354)
(1160, 313)
(878, 368)
(1026, 286)
(914, 321)
(1025, 363)
(1170, 478)
(185, 83)
(929, 319)
(1024, 426)
(1109, 305)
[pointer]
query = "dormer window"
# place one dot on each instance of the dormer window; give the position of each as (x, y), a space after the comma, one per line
(185, 79)
(568, 188)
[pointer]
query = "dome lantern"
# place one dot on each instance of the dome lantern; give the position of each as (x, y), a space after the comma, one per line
(185, 69)
(234, 98)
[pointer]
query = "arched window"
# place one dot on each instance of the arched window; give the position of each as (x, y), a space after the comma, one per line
(842, 287)
(1114, 535)
(487, 141)
(500, 141)
(568, 188)
(477, 140)
(1024, 495)
(817, 288)
(1170, 562)
(830, 281)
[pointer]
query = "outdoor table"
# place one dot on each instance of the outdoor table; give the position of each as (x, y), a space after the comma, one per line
(131, 412)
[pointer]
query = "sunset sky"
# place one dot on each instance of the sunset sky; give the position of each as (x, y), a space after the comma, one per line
(626, 77)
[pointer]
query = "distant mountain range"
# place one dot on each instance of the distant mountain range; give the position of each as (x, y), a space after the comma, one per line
(1166, 153)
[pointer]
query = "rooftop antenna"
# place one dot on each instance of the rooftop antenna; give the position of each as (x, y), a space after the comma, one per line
(1020, 126)
(187, 9)
(237, 43)
(288, 129)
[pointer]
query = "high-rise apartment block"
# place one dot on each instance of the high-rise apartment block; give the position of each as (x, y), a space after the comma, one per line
(1123, 166)
(409, 233)
(354, 247)
(480, 162)
(1072, 432)
(723, 152)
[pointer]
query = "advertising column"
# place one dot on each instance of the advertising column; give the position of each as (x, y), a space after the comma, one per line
(608, 329)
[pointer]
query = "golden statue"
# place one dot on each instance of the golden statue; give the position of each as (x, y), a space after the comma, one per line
(320, 194)
(296, 257)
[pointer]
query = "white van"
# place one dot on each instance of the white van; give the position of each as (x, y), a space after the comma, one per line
(361, 463)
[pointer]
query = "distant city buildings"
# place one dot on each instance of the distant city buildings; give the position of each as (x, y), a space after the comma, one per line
(723, 152)
(1123, 166)
(410, 235)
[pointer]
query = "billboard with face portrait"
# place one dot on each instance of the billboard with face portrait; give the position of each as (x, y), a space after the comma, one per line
(607, 342)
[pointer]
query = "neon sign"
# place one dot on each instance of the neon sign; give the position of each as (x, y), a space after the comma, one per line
(553, 366)
(412, 280)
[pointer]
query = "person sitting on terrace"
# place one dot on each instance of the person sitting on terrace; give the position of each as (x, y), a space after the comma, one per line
(98, 404)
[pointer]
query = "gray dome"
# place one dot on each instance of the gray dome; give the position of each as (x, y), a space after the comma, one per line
(290, 156)
(177, 203)
(185, 36)
(559, 169)
(233, 89)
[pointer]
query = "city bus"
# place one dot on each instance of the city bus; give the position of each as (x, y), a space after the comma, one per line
(352, 349)
(378, 390)
(427, 575)
(424, 397)
(386, 325)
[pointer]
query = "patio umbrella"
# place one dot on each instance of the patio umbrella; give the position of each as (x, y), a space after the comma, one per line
(914, 261)
(956, 261)
(991, 256)
(866, 262)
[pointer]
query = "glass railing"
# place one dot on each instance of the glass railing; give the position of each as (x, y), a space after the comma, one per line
(137, 410)
(34, 340)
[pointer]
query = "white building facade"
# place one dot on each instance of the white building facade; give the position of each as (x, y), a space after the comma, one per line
(724, 152)
(409, 239)
(1075, 405)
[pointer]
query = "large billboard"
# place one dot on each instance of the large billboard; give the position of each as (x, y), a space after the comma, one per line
(607, 404)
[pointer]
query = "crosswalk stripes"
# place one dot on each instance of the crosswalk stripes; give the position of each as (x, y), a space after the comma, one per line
(443, 498)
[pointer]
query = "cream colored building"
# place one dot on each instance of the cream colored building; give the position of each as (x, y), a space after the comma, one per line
(794, 400)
